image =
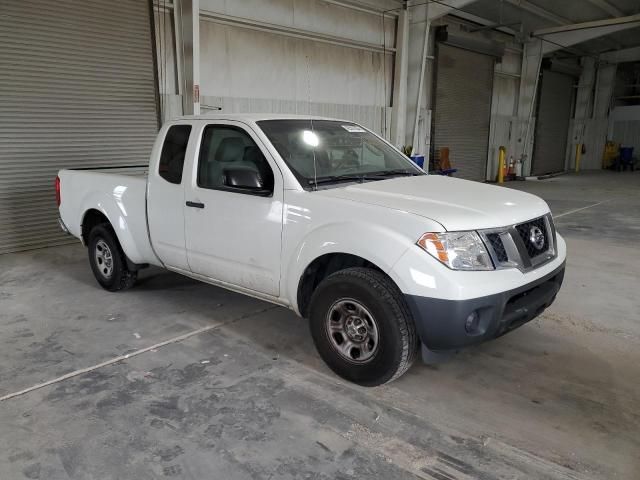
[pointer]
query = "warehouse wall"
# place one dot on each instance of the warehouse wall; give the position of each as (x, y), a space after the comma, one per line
(503, 121)
(293, 56)
(309, 15)
(624, 126)
(314, 56)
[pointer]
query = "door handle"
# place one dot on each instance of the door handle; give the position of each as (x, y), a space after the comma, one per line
(195, 204)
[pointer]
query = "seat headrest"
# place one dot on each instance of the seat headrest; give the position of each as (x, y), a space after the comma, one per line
(253, 154)
(322, 159)
(231, 149)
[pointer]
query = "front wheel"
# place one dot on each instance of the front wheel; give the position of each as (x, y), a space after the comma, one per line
(362, 326)
(108, 261)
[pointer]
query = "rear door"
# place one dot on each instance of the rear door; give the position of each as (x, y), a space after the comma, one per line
(234, 235)
(165, 197)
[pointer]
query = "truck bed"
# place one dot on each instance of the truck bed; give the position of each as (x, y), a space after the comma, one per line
(119, 193)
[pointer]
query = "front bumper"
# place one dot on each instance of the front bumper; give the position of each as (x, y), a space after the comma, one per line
(442, 324)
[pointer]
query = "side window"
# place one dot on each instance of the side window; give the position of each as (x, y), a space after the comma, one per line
(173, 151)
(228, 152)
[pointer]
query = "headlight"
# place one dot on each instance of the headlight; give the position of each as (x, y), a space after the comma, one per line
(457, 250)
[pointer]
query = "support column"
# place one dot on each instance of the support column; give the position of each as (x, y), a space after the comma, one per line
(584, 104)
(531, 61)
(188, 17)
(418, 145)
(604, 92)
(399, 112)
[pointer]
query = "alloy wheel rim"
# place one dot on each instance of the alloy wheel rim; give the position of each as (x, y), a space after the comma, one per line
(352, 330)
(104, 258)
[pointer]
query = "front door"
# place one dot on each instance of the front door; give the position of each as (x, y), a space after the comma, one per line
(234, 234)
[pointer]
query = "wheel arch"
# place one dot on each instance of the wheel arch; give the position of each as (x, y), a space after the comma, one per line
(323, 266)
(105, 210)
(90, 219)
(346, 244)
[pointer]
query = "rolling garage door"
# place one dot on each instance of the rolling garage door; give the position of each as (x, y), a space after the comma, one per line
(77, 89)
(462, 107)
(552, 123)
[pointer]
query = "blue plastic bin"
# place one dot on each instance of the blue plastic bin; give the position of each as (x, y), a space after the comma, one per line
(418, 160)
(626, 155)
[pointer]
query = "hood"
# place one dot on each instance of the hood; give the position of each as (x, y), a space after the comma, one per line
(454, 203)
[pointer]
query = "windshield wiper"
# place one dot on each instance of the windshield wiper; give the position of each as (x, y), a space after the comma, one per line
(343, 178)
(391, 173)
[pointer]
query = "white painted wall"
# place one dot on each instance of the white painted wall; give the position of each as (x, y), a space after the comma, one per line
(310, 15)
(237, 62)
(624, 127)
(292, 56)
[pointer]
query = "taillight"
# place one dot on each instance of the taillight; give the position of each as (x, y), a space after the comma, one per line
(58, 199)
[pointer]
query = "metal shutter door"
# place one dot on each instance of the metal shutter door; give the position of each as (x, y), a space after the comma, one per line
(77, 89)
(463, 109)
(552, 123)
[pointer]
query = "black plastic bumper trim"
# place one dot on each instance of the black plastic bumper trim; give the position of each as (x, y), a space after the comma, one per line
(441, 323)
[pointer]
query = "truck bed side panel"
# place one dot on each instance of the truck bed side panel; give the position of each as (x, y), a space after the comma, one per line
(120, 197)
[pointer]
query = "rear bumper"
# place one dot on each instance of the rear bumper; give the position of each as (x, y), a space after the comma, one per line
(442, 324)
(63, 226)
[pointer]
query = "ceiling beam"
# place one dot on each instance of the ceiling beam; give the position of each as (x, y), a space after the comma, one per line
(556, 38)
(484, 22)
(548, 15)
(622, 23)
(440, 9)
(539, 11)
(607, 7)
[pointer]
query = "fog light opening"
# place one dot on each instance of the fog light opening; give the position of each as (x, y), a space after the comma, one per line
(472, 323)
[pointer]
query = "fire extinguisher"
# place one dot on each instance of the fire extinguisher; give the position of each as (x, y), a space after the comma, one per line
(511, 174)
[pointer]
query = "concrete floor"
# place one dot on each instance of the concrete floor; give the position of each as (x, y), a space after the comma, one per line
(250, 399)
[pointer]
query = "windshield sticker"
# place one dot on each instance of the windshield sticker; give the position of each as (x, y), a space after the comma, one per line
(353, 129)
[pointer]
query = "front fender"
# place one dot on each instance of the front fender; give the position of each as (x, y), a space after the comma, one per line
(373, 242)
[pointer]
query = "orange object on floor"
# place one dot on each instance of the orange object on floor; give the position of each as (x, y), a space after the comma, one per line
(445, 163)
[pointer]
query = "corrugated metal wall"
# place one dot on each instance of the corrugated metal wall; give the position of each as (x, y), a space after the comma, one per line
(463, 109)
(552, 126)
(76, 89)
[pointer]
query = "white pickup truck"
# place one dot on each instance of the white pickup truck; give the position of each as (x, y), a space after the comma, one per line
(328, 219)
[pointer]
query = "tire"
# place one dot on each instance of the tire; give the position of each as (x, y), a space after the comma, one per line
(352, 299)
(108, 261)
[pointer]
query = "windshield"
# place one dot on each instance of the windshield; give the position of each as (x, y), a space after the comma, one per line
(342, 151)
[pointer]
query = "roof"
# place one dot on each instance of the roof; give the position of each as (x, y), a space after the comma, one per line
(254, 117)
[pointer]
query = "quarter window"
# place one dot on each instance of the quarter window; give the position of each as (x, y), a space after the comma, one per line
(173, 152)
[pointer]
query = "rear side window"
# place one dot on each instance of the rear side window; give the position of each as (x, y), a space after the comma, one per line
(173, 151)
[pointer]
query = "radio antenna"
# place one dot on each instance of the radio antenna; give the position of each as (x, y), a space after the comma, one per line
(313, 147)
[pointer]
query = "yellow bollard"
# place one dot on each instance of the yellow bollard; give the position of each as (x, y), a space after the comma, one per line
(578, 155)
(501, 157)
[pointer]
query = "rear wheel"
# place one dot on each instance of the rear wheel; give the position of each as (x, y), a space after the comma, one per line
(108, 261)
(362, 327)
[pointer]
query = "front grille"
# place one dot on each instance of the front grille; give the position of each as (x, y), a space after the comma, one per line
(498, 247)
(535, 244)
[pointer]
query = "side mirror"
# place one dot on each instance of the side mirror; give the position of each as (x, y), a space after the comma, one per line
(245, 179)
